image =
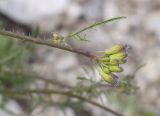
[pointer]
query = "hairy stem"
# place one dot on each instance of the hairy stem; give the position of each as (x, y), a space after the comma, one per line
(67, 93)
(38, 41)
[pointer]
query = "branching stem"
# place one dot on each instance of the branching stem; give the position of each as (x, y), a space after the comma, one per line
(38, 41)
(67, 93)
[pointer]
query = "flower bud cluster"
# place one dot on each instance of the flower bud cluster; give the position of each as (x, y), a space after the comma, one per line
(110, 62)
(57, 39)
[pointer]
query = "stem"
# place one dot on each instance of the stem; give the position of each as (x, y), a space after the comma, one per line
(54, 82)
(67, 93)
(38, 41)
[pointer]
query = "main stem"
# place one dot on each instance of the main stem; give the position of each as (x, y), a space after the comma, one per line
(38, 41)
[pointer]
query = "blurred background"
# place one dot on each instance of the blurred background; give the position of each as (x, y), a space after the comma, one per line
(26, 65)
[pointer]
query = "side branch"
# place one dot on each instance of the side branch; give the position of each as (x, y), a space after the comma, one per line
(67, 93)
(38, 41)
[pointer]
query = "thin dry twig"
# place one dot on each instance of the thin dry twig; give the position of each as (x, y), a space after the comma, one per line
(67, 93)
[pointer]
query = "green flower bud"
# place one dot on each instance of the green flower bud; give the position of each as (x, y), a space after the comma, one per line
(55, 36)
(106, 70)
(118, 56)
(115, 49)
(104, 59)
(106, 77)
(122, 61)
(114, 62)
(115, 68)
(104, 65)
(57, 41)
(117, 61)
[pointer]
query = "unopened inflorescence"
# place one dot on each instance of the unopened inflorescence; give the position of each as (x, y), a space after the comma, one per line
(110, 62)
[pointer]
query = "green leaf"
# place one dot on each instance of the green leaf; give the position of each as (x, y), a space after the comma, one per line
(95, 25)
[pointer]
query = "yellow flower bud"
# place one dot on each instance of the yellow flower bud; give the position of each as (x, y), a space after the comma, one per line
(106, 70)
(115, 49)
(115, 68)
(118, 56)
(122, 61)
(113, 62)
(117, 61)
(57, 41)
(104, 59)
(55, 36)
(107, 77)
